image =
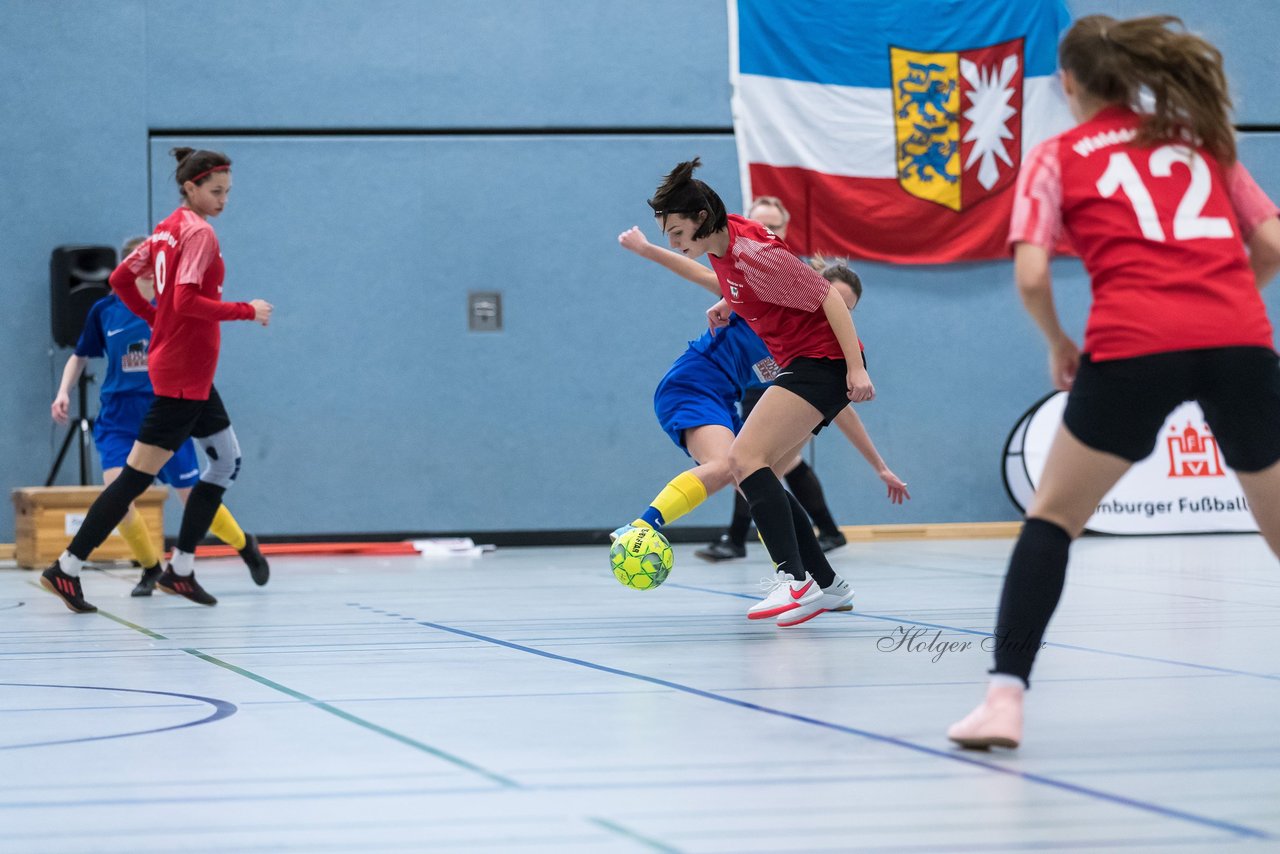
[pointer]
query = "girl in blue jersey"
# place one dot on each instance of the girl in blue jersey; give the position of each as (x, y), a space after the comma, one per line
(116, 333)
(695, 405)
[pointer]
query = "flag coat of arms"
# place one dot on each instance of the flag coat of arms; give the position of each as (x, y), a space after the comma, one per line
(894, 131)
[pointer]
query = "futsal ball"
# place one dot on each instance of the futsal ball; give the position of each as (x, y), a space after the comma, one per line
(641, 558)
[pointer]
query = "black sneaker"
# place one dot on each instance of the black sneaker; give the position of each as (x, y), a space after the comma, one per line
(253, 557)
(147, 582)
(832, 541)
(67, 588)
(184, 585)
(722, 549)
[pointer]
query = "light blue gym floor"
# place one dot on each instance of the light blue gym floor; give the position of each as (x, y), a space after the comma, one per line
(524, 701)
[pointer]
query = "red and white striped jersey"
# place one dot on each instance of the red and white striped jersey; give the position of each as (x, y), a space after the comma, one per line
(778, 295)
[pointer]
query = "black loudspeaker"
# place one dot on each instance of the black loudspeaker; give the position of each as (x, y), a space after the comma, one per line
(77, 279)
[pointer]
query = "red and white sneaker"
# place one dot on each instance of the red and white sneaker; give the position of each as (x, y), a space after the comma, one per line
(786, 595)
(67, 588)
(837, 596)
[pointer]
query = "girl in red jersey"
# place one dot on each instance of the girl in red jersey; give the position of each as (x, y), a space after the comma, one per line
(183, 256)
(808, 330)
(1161, 213)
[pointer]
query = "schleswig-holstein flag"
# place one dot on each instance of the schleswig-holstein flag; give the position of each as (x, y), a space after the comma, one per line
(893, 129)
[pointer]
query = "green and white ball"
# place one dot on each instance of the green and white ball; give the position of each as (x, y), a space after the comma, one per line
(641, 558)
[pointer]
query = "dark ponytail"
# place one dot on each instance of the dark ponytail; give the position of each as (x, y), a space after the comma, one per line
(681, 193)
(197, 166)
(1122, 62)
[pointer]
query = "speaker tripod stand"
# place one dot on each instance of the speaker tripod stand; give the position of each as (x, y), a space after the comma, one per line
(80, 429)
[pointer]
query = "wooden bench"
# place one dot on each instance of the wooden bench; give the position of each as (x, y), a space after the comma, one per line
(46, 518)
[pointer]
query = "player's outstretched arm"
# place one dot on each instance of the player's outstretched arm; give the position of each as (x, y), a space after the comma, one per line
(686, 268)
(856, 432)
(61, 408)
(188, 301)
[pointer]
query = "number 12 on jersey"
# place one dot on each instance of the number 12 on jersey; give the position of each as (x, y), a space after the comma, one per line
(1188, 223)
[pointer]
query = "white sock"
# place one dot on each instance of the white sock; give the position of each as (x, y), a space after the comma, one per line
(182, 563)
(70, 564)
(1005, 680)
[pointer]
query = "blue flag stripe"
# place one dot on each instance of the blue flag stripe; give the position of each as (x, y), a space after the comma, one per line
(846, 42)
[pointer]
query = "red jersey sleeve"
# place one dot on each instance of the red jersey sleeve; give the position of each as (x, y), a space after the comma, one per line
(779, 277)
(123, 282)
(1037, 200)
(188, 301)
(198, 250)
(1252, 206)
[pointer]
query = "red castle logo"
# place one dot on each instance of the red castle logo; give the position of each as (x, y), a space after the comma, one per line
(1193, 453)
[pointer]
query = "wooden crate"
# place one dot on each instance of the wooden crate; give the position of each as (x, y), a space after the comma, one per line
(46, 517)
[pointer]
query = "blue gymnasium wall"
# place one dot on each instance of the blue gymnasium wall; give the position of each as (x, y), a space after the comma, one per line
(367, 406)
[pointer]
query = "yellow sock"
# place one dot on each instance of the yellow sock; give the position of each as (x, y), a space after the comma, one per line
(138, 537)
(677, 498)
(226, 528)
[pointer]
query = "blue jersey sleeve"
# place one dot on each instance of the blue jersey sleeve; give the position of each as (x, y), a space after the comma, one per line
(91, 344)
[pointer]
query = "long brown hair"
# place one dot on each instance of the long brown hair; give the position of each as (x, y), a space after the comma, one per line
(1121, 62)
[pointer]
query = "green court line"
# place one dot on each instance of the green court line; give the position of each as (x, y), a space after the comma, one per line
(137, 628)
(651, 844)
(358, 721)
(325, 707)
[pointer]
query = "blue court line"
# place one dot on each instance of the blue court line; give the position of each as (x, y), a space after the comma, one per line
(252, 797)
(1097, 794)
(221, 709)
(115, 708)
(904, 621)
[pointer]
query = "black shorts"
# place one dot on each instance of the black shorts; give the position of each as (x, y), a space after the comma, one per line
(1119, 406)
(172, 420)
(821, 383)
(750, 398)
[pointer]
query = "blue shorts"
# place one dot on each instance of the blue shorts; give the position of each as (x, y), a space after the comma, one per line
(695, 393)
(116, 429)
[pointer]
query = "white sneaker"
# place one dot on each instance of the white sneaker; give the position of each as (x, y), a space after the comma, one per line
(836, 596)
(786, 595)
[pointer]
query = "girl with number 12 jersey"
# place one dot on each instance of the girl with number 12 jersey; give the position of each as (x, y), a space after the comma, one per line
(1161, 213)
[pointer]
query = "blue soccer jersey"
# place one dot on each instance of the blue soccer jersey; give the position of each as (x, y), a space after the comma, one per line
(739, 352)
(703, 386)
(115, 332)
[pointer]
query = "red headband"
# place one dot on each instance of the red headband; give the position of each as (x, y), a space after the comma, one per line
(223, 168)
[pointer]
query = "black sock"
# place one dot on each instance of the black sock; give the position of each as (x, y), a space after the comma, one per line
(1032, 588)
(804, 485)
(741, 523)
(202, 506)
(108, 510)
(771, 508)
(811, 554)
